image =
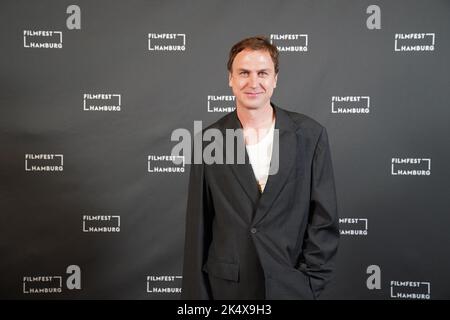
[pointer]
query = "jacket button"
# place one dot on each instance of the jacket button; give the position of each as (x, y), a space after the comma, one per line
(253, 230)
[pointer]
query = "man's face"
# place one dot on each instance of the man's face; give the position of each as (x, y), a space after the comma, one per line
(253, 78)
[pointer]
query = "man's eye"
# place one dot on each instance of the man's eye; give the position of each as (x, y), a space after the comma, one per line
(263, 73)
(244, 72)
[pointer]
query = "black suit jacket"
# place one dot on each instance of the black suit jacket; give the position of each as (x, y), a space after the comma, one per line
(281, 244)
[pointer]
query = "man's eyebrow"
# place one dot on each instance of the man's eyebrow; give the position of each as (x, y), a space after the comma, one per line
(242, 69)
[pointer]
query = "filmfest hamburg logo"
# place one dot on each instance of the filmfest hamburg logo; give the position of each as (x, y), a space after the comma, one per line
(166, 41)
(353, 226)
(101, 223)
(221, 103)
(52, 284)
(414, 41)
(44, 162)
(290, 42)
(165, 164)
(102, 102)
(410, 290)
(411, 166)
(164, 284)
(42, 39)
(350, 104)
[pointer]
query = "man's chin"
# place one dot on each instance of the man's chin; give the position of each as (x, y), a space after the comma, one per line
(251, 106)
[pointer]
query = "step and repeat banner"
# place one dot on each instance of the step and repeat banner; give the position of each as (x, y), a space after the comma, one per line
(92, 205)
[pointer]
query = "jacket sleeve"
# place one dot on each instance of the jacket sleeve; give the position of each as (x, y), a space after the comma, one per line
(195, 284)
(322, 233)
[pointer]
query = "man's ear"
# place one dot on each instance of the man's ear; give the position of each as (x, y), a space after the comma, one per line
(229, 78)
(276, 79)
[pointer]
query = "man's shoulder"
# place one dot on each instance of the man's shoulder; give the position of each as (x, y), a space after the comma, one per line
(302, 121)
(223, 123)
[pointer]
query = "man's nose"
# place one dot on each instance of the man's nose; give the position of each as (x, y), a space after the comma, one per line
(253, 81)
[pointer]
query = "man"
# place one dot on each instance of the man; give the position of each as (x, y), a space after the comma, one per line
(251, 234)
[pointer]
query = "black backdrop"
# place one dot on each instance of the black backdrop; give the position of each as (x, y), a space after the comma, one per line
(92, 90)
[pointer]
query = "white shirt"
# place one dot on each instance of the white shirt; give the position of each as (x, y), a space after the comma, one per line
(260, 155)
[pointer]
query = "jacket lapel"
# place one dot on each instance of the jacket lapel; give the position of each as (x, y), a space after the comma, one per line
(287, 157)
(243, 172)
